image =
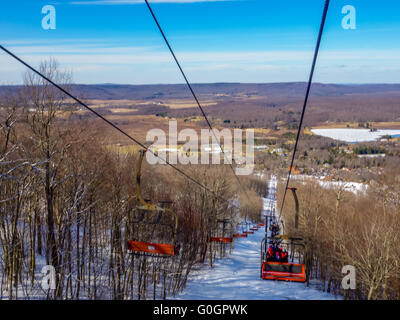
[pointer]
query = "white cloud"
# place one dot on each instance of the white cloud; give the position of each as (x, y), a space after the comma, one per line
(266, 59)
(116, 2)
(99, 61)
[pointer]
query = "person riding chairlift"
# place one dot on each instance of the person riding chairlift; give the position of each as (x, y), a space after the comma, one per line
(284, 256)
(274, 229)
(270, 253)
(277, 254)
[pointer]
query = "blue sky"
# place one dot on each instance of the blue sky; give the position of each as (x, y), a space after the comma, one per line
(116, 41)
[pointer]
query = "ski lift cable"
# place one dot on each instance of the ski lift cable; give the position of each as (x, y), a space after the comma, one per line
(321, 29)
(112, 124)
(193, 93)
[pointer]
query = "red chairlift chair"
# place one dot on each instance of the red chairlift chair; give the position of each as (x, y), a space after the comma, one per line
(222, 239)
(153, 249)
(243, 233)
(283, 271)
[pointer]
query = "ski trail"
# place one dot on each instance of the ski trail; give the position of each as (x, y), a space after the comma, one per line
(237, 277)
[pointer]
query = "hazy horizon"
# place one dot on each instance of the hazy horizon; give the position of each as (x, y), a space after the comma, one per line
(218, 83)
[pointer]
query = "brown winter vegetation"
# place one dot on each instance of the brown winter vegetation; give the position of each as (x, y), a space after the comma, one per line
(68, 196)
(342, 229)
(69, 200)
(249, 105)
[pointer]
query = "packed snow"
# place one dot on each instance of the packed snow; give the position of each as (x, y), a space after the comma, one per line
(237, 277)
(355, 135)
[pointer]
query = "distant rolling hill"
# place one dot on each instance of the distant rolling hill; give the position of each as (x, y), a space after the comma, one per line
(251, 104)
(294, 89)
(289, 90)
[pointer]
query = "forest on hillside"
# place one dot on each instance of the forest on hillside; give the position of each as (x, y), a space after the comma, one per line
(69, 201)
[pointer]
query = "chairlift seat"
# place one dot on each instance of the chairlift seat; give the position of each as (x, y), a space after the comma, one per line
(140, 247)
(221, 239)
(283, 271)
(240, 235)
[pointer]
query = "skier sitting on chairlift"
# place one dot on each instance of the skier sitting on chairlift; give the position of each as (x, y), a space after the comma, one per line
(274, 229)
(276, 253)
(283, 255)
(270, 253)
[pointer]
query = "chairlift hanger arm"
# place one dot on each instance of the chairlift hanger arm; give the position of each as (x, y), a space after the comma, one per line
(314, 62)
(145, 204)
(296, 201)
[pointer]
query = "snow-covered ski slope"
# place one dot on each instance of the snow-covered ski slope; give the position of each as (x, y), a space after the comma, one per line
(237, 277)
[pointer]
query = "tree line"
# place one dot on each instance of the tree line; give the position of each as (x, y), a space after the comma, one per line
(67, 200)
(339, 228)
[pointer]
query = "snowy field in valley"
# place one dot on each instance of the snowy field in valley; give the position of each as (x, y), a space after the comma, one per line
(237, 277)
(354, 187)
(354, 135)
